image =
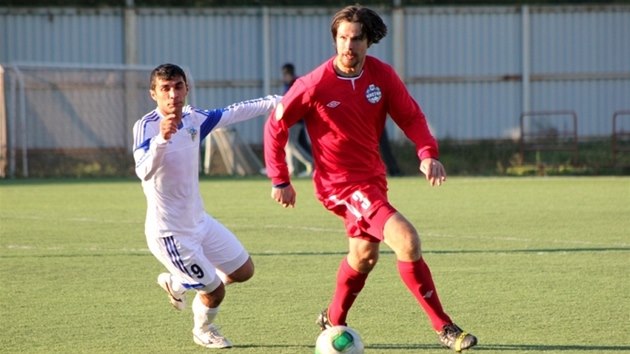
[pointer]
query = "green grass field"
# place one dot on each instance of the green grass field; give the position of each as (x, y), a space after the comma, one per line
(528, 265)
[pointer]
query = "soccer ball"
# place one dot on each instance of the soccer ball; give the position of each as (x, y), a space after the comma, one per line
(339, 340)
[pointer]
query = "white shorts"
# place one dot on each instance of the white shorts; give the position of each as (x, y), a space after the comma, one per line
(194, 259)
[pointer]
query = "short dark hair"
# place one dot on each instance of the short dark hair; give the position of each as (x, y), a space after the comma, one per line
(289, 68)
(166, 72)
(372, 26)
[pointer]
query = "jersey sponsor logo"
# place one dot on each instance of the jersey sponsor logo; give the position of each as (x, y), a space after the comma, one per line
(373, 94)
(192, 132)
(279, 111)
(333, 104)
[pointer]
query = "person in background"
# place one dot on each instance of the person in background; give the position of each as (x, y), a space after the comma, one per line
(297, 147)
(388, 155)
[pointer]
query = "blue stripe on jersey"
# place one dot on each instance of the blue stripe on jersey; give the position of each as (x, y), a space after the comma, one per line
(145, 145)
(212, 119)
(140, 134)
(169, 243)
(246, 102)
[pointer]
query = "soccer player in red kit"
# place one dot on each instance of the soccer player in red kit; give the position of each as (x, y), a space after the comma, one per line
(344, 103)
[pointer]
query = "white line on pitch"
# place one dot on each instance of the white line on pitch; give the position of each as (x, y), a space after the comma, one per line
(88, 220)
(327, 230)
(470, 237)
(61, 248)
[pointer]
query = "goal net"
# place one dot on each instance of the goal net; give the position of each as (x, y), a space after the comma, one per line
(76, 121)
(73, 121)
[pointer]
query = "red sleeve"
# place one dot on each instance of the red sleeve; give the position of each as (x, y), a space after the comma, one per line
(409, 117)
(292, 108)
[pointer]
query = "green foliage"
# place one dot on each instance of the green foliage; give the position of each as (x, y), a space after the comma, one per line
(480, 158)
(78, 164)
(502, 158)
(529, 265)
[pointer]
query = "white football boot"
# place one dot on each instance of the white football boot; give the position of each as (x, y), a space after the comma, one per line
(178, 300)
(211, 338)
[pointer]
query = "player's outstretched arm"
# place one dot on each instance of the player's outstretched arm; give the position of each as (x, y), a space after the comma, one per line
(237, 112)
(249, 109)
(434, 171)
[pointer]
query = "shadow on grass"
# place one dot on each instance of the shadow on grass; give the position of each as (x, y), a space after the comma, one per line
(83, 253)
(515, 347)
(297, 347)
(491, 251)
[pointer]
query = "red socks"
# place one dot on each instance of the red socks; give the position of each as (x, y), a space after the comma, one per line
(349, 285)
(417, 276)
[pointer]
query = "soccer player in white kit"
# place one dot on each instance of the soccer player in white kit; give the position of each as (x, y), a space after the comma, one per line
(198, 251)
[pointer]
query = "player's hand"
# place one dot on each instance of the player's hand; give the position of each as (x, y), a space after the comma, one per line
(168, 126)
(285, 196)
(433, 171)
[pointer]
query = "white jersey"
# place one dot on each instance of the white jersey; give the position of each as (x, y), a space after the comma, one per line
(169, 170)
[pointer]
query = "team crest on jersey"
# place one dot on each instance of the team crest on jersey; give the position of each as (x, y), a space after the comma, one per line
(193, 133)
(373, 94)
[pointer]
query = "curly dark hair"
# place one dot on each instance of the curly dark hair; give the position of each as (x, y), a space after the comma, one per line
(372, 26)
(166, 72)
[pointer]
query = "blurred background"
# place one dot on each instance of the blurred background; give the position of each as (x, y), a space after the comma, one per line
(509, 87)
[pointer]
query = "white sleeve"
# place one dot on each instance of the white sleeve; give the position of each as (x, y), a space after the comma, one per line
(148, 155)
(245, 110)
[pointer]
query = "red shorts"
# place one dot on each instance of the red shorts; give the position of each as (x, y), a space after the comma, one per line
(364, 209)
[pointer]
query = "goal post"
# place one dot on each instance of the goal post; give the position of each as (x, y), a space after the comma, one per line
(3, 125)
(74, 120)
(620, 138)
(238, 158)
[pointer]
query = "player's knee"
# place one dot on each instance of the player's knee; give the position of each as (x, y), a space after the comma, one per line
(365, 262)
(406, 243)
(411, 243)
(362, 255)
(243, 273)
(368, 264)
(403, 238)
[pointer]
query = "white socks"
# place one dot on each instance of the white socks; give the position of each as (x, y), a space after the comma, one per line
(203, 315)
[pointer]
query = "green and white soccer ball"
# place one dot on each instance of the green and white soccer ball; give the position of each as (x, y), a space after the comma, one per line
(339, 340)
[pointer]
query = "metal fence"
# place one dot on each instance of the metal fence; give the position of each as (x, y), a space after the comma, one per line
(474, 70)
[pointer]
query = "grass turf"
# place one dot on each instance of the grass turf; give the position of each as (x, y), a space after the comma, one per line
(528, 265)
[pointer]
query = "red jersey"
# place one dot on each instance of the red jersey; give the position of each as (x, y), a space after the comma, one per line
(345, 118)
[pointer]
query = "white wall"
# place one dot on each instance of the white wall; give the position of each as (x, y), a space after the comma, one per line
(463, 64)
